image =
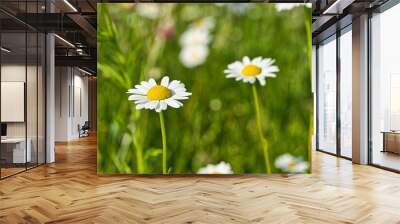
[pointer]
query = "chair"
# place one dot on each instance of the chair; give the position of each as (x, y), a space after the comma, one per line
(84, 130)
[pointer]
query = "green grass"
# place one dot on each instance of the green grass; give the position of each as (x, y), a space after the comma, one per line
(218, 122)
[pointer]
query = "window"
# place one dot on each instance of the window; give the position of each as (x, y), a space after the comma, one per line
(385, 89)
(327, 96)
(22, 77)
(346, 93)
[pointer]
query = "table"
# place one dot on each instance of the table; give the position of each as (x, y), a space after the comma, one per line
(391, 141)
(13, 150)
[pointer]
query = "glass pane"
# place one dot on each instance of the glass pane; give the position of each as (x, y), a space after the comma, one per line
(41, 99)
(386, 89)
(13, 88)
(327, 96)
(31, 97)
(346, 94)
(31, 87)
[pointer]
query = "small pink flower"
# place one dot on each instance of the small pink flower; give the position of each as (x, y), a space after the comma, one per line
(166, 31)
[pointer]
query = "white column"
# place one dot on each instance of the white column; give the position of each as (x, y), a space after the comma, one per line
(360, 90)
(50, 92)
(50, 99)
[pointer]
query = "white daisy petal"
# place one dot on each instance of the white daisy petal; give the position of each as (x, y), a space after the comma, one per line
(228, 71)
(147, 105)
(141, 101)
(140, 106)
(158, 107)
(193, 55)
(165, 81)
(183, 94)
(151, 105)
(177, 86)
(246, 60)
(256, 60)
(261, 80)
(193, 37)
(145, 84)
(180, 89)
(235, 65)
(152, 82)
(172, 103)
(163, 105)
(136, 91)
(173, 84)
(180, 97)
(266, 62)
(142, 88)
(136, 97)
(221, 168)
(273, 69)
(288, 163)
(149, 10)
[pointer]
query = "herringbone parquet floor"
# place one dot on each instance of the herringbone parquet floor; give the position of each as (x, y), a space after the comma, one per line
(69, 191)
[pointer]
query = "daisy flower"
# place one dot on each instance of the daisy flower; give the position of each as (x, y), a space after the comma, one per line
(192, 56)
(166, 30)
(291, 164)
(148, 10)
(221, 168)
(194, 42)
(288, 6)
(251, 70)
(237, 8)
(195, 36)
(150, 95)
(207, 24)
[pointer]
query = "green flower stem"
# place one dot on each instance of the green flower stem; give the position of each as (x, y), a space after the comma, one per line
(140, 166)
(264, 141)
(164, 143)
(139, 158)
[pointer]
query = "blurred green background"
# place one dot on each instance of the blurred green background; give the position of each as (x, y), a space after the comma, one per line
(218, 122)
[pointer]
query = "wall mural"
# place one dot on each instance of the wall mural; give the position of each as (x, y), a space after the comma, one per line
(218, 88)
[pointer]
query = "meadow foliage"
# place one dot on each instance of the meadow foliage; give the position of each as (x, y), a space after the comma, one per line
(217, 124)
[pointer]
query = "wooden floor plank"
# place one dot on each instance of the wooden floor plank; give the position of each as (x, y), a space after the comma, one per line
(70, 191)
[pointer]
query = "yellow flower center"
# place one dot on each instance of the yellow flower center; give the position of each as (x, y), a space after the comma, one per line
(292, 164)
(158, 92)
(195, 55)
(251, 70)
(215, 172)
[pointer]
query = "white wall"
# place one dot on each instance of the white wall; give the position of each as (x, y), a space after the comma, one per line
(12, 73)
(71, 102)
(62, 82)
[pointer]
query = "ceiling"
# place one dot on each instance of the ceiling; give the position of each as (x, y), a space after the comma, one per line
(75, 23)
(332, 15)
